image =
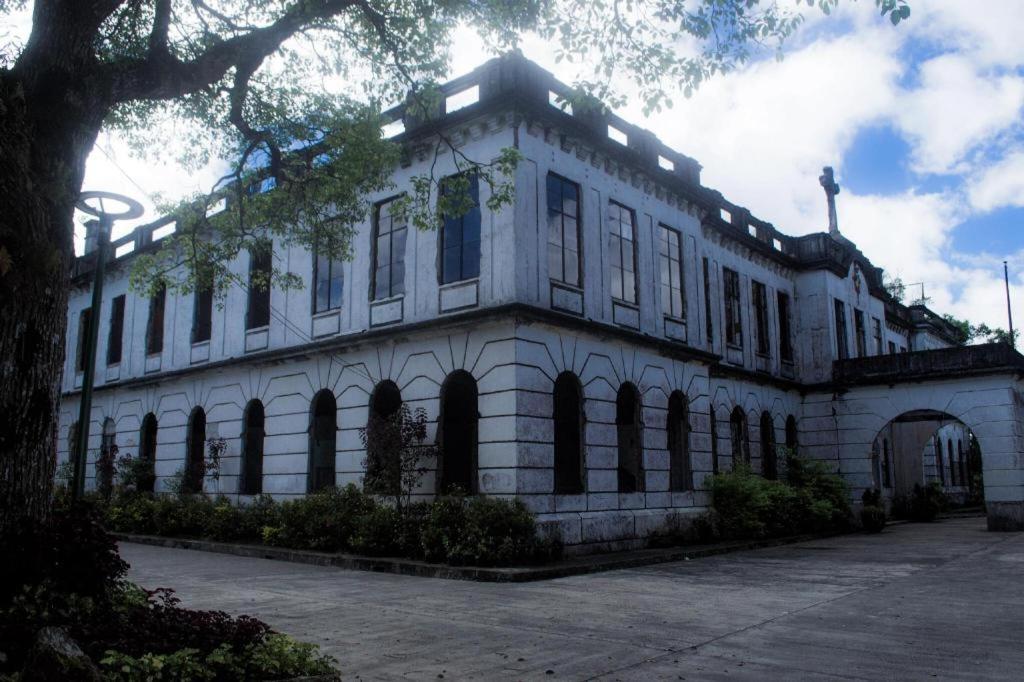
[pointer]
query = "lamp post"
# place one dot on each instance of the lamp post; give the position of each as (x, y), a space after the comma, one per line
(1009, 311)
(105, 220)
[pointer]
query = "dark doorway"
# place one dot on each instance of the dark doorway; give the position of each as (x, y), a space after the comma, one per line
(459, 419)
(323, 436)
(792, 440)
(630, 435)
(195, 456)
(147, 453)
(740, 436)
(678, 427)
(568, 419)
(251, 482)
(769, 458)
(383, 440)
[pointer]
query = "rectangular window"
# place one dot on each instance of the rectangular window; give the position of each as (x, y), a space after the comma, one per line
(876, 331)
(390, 231)
(785, 333)
(733, 319)
(83, 332)
(860, 333)
(155, 322)
(116, 334)
(760, 295)
(670, 263)
(460, 236)
(202, 314)
(709, 325)
(563, 230)
(622, 251)
(892, 348)
(260, 266)
(842, 342)
(329, 280)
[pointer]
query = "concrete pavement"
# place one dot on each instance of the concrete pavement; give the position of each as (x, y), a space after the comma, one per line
(919, 601)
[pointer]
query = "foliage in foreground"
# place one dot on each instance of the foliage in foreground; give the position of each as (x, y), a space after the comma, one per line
(70, 576)
(745, 505)
(872, 512)
(455, 529)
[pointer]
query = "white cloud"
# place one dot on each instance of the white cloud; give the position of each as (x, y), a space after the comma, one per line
(955, 109)
(999, 185)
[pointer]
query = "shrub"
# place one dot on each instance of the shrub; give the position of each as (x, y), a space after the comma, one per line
(484, 531)
(223, 521)
(324, 520)
(378, 533)
(132, 513)
(927, 502)
(72, 551)
(135, 473)
(184, 516)
(749, 506)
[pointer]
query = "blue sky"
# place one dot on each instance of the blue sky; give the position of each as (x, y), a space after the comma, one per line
(922, 123)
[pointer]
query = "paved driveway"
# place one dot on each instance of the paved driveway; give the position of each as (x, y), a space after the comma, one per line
(920, 601)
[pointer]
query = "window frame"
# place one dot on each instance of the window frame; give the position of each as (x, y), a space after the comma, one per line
(709, 324)
(115, 333)
(762, 325)
(616, 236)
(664, 230)
(474, 192)
(202, 315)
(731, 298)
(155, 322)
(84, 320)
(375, 266)
(876, 333)
(842, 331)
(254, 317)
(785, 326)
(563, 181)
(860, 332)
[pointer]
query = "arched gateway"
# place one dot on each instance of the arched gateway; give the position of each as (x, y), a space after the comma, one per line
(906, 398)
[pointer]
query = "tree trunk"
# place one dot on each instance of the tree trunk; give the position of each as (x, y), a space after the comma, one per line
(46, 133)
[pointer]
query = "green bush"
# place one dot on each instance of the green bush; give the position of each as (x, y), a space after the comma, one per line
(454, 529)
(748, 506)
(324, 521)
(377, 533)
(927, 502)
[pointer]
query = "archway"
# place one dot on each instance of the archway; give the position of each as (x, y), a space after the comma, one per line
(251, 482)
(630, 439)
(769, 458)
(678, 427)
(920, 447)
(323, 436)
(146, 474)
(739, 436)
(195, 452)
(383, 440)
(460, 416)
(568, 423)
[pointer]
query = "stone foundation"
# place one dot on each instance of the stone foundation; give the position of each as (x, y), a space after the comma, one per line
(1005, 516)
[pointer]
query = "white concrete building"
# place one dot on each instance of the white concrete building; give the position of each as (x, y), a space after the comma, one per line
(597, 348)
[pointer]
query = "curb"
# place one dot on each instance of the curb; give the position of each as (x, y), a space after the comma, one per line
(594, 563)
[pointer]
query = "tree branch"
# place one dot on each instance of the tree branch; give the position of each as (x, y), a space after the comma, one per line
(167, 77)
(161, 24)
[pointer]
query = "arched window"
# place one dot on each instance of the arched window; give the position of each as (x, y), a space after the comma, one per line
(876, 465)
(195, 452)
(323, 436)
(108, 453)
(568, 422)
(740, 436)
(460, 415)
(147, 454)
(952, 462)
(680, 473)
(961, 463)
(939, 465)
(251, 480)
(383, 440)
(769, 458)
(792, 441)
(886, 465)
(630, 439)
(714, 439)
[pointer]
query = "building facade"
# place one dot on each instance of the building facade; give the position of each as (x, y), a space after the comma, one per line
(597, 348)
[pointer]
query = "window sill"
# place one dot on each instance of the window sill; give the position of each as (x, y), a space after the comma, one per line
(626, 304)
(387, 299)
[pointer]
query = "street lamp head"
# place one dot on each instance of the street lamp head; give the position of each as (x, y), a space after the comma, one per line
(95, 203)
